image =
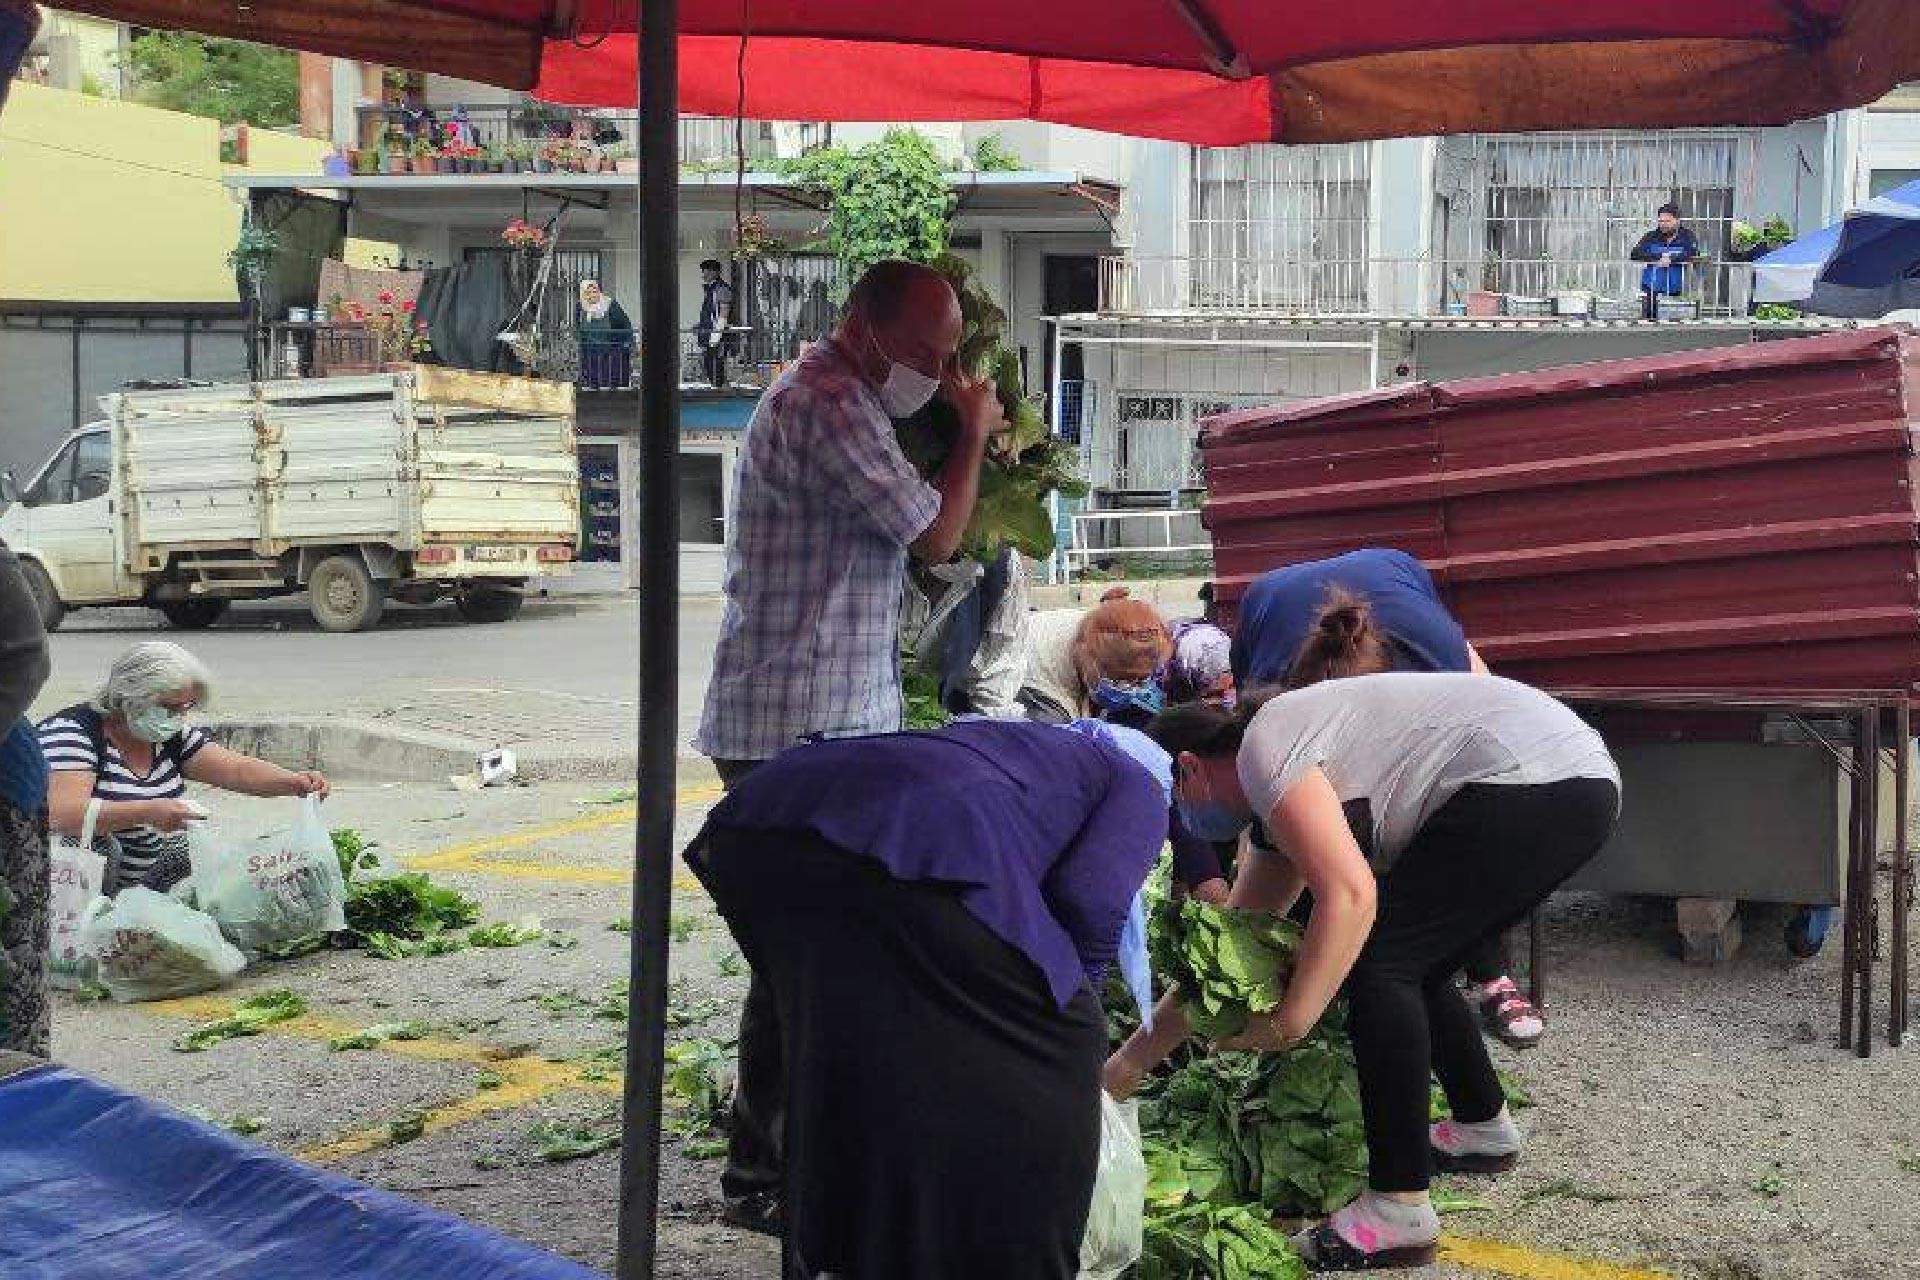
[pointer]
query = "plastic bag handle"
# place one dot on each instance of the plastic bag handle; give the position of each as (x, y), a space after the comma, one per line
(89, 822)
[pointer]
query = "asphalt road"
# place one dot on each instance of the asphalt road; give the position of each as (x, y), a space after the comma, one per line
(565, 670)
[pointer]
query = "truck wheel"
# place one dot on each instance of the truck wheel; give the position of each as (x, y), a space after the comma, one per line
(343, 595)
(488, 604)
(45, 598)
(192, 615)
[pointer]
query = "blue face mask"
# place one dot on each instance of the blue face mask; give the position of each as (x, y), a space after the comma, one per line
(1211, 820)
(1147, 696)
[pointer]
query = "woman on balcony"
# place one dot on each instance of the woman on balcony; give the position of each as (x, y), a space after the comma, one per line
(606, 341)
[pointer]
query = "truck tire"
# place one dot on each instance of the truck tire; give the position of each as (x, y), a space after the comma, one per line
(488, 604)
(192, 615)
(343, 595)
(52, 611)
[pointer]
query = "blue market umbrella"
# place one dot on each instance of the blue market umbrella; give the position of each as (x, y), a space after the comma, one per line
(1863, 266)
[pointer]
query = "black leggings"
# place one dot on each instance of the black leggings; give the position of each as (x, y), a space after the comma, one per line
(1484, 860)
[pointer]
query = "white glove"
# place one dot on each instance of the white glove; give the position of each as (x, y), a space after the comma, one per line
(713, 339)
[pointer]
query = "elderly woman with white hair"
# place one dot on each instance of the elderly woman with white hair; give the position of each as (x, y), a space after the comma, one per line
(132, 750)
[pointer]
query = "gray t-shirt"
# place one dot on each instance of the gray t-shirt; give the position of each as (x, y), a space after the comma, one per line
(1404, 743)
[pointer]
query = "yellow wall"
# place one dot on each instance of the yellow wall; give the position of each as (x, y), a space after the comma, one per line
(107, 201)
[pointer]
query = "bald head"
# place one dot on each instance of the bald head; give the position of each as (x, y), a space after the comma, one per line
(906, 310)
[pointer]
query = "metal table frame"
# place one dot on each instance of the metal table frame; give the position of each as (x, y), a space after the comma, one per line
(1873, 717)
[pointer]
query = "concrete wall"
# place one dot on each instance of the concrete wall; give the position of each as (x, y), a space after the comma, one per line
(1438, 355)
(1888, 140)
(85, 52)
(108, 201)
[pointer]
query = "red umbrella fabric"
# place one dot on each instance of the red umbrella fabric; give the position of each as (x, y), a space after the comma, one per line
(1206, 71)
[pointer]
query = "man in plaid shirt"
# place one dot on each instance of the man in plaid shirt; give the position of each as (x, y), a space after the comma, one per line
(826, 512)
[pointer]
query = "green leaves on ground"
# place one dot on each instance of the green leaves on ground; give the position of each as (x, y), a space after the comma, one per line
(1216, 1242)
(732, 965)
(249, 1018)
(558, 1140)
(378, 1034)
(408, 905)
(355, 854)
(696, 1071)
(385, 946)
(406, 1128)
(1228, 964)
(503, 934)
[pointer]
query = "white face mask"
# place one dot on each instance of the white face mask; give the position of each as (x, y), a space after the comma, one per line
(155, 723)
(906, 390)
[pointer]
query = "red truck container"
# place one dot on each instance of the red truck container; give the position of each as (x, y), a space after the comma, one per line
(1741, 518)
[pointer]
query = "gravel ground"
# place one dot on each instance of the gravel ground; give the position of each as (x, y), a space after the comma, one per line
(1700, 1121)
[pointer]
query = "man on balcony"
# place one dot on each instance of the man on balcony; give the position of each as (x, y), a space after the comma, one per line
(716, 313)
(1665, 249)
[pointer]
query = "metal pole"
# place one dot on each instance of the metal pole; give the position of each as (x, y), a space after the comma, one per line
(1850, 926)
(659, 551)
(1902, 868)
(1870, 873)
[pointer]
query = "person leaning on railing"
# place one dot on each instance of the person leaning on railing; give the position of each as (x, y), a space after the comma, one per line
(1666, 250)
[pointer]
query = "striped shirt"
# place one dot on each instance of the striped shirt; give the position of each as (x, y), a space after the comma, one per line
(72, 741)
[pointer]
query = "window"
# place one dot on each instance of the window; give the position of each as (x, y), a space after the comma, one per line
(55, 485)
(1881, 181)
(1560, 211)
(93, 466)
(1281, 226)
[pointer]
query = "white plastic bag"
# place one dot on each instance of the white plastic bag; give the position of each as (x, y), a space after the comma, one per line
(1116, 1224)
(150, 947)
(277, 888)
(76, 873)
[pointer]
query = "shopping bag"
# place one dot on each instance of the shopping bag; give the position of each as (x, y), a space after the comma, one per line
(148, 946)
(274, 889)
(76, 872)
(1116, 1223)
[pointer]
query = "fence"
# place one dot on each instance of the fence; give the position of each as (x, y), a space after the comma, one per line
(704, 140)
(1399, 286)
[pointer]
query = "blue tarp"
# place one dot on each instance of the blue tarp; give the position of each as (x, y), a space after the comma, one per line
(99, 1184)
(1862, 266)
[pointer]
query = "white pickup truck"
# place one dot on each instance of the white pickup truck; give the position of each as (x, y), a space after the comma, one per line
(411, 486)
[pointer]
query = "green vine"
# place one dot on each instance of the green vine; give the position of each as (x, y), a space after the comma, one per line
(887, 199)
(252, 251)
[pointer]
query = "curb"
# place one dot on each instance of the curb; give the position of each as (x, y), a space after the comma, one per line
(374, 750)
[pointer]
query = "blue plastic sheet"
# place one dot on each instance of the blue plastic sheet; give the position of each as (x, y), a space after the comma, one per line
(99, 1184)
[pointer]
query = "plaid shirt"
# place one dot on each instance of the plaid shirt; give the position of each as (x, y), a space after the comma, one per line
(824, 508)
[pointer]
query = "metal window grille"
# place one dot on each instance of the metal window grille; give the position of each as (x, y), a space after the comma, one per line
(1281, 227)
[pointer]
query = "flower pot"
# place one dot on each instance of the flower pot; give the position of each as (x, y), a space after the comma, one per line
(630, 165)
(396, 164)
(425, 164)
(543, 166)
(1482, 302)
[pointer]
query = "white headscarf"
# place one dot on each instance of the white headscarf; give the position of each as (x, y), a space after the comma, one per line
(594, 310)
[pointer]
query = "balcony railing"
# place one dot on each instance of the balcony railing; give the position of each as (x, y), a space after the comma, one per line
(1606, 289)
(704, 141)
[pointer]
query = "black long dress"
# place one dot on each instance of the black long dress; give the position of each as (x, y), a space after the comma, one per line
(606, 350)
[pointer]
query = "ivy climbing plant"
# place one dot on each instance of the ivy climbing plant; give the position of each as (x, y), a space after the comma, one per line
(887, 199)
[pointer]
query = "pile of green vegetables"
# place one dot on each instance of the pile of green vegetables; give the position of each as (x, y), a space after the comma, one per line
(1235, 1140)
(1022, 467)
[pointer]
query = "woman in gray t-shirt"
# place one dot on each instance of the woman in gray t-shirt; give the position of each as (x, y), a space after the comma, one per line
(1425, 813)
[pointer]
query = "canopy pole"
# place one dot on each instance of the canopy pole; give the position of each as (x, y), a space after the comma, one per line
(657, 545)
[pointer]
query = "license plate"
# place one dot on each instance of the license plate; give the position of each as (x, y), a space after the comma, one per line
(494, 555)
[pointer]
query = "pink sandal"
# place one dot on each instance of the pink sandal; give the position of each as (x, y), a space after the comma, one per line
(1507, 1015)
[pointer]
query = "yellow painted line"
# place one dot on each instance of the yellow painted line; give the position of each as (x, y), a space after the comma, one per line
(471, 855)
(525, 1080)
(1496, 1257)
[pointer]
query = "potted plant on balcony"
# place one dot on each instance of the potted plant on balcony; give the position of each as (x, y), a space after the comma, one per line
(393, 159)
(399, 336)
(366, 161)
(423, 157)
(623, 158)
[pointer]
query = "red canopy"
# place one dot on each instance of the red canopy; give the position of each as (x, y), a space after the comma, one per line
(1206, 71)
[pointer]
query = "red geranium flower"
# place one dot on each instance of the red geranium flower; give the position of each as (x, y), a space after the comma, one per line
(408, 305)
(386, 295)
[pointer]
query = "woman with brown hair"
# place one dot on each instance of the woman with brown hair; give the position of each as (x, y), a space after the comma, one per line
(1425, 813)
(1104, 662)
(1371, 610)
